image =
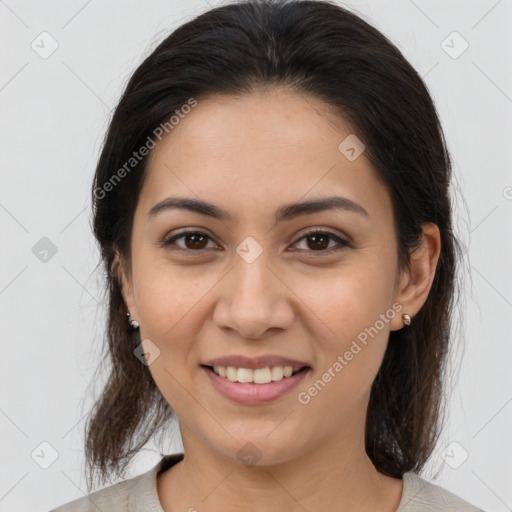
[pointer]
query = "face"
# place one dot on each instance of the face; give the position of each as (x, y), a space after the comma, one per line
(259, 281)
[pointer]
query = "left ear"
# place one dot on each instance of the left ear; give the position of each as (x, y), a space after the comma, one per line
(416, 282)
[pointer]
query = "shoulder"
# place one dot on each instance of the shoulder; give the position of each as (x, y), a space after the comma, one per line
(131, 495)
(419, 495)
(115, 497)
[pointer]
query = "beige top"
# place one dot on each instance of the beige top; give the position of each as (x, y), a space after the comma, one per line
(139, 494)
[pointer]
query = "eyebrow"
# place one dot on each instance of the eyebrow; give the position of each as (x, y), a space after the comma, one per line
(284, 213)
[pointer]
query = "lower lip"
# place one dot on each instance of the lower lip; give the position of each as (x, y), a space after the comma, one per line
(250, 393)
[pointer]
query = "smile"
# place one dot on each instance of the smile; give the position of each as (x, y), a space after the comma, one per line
(257, 376)
(254, 386)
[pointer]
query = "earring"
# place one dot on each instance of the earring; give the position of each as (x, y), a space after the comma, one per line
(407, 319)
(133, 323)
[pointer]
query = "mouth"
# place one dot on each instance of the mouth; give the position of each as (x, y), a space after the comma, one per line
(262, 375)
(254, 386)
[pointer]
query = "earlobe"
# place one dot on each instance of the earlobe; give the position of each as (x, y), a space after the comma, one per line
(417, 282)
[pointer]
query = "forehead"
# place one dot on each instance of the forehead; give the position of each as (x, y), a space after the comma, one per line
(258, 150)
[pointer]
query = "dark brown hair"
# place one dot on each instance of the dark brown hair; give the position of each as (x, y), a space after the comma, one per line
(324, 50)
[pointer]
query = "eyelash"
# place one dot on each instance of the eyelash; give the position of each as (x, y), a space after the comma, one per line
(342, 244)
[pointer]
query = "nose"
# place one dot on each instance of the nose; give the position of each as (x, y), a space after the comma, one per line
(254, 300)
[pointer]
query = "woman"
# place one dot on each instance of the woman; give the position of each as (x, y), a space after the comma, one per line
(272, 206)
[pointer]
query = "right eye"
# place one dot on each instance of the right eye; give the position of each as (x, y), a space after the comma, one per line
(193, 241)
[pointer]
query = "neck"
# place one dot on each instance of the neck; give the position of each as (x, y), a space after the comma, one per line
(333, 472)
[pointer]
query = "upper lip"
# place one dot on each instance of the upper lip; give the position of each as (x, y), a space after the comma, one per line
(240, 361)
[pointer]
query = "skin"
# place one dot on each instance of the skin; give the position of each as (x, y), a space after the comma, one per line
(250, 155)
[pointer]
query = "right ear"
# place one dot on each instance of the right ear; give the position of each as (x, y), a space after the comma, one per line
(119, 271)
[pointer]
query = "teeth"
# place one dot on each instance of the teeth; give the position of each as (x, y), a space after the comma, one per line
(245, 375)
(261, 375)
(257, 376)
(232, 373)
(277, 373)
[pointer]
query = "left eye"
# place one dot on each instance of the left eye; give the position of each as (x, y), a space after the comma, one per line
(319, 241)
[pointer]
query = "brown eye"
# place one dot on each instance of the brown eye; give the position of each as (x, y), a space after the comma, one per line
(191, 240)
(315, 241)
(319, 241)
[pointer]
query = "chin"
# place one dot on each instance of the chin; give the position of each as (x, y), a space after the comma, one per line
(254, 451)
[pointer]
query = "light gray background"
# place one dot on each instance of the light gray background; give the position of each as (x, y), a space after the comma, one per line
(54, 113)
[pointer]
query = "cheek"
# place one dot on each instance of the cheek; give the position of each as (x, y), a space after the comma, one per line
(170, 303)
(168, 296)
(357, 315)
(348, 299)
(354, 312)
